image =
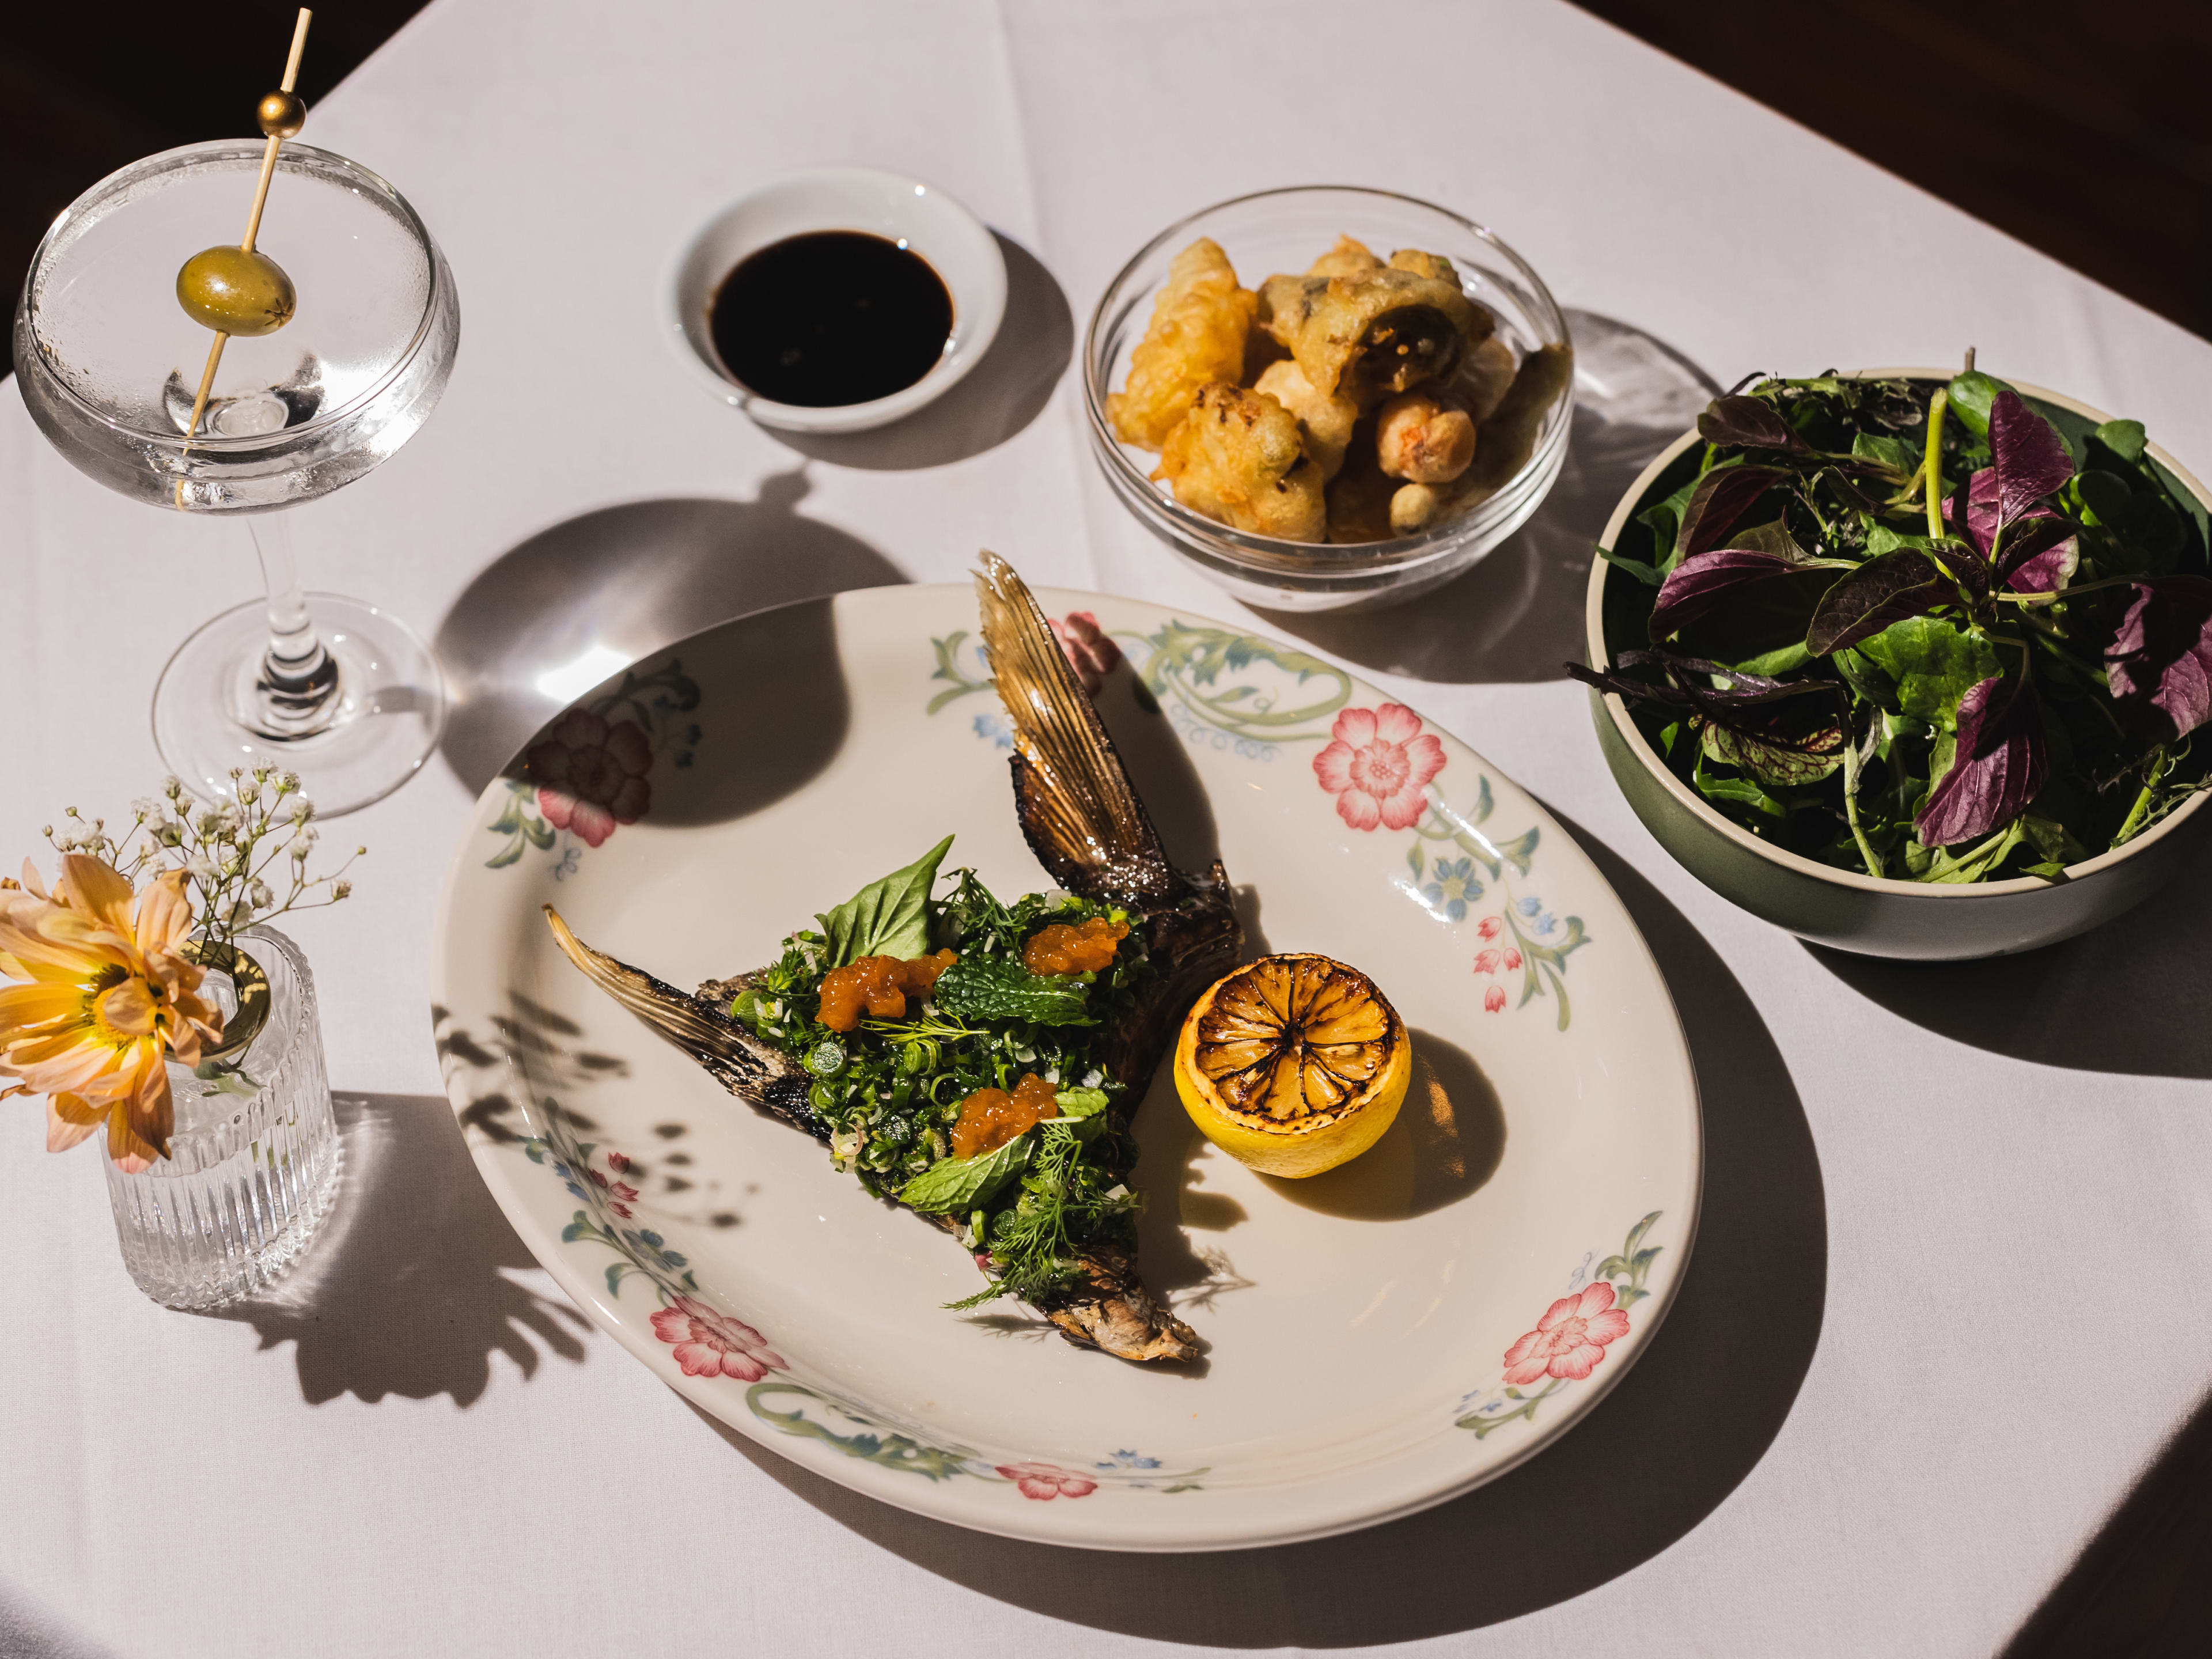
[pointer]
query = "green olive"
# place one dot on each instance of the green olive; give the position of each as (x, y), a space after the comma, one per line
(234, 292)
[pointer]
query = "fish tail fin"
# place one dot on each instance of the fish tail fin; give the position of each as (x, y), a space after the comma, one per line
(743, 1066)
(1077, 805)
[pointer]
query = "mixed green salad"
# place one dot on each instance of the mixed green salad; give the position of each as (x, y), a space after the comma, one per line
(887, 1093)
(1929, 632)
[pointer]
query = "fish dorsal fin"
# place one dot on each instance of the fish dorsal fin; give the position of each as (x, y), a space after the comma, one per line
(1082, 815)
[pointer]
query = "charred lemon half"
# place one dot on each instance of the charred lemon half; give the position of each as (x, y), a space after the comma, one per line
(1293, 1064)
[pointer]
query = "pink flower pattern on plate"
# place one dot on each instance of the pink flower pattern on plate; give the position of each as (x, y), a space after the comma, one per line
(709, 1344)
(1493, 1000)
(1089, 651)
(1046, 1481)
(1486, 928)
(1378, 764)
(620, 1193)
(1571, 1338)
(591, 775)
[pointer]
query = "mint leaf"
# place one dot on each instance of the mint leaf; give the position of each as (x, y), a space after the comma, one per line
(886, 918)
(1080, 1102)
(981, 987)
(953, 1184)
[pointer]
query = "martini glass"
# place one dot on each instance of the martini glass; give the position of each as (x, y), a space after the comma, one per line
(337, 691)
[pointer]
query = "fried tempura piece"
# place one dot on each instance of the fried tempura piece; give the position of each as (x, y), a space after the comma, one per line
(1422, 441)
(1326, 423)
(1508, 436)
(1483, 377)
(1425, 265)
(1197, 334)
(1360, 496)
(1236, 457)
(1415, 507)
(1347, 259)
(1369, 336)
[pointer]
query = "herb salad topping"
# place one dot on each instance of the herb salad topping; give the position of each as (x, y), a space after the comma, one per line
(889, 1090)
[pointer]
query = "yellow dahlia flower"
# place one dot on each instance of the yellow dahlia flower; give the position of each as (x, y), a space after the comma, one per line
(109, 997)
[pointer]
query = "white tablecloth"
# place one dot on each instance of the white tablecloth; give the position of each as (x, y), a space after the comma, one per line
(1944, 1306)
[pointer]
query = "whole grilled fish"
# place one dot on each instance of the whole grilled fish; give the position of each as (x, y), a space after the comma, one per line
(1089, 830)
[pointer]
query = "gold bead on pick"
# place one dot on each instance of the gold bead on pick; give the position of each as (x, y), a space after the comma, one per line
(234, 292)
(281, 115)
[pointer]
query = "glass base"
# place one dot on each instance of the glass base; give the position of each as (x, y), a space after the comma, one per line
(382, 723)
(253, 1160)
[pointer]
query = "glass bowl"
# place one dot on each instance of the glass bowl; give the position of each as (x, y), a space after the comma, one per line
(1285, 230)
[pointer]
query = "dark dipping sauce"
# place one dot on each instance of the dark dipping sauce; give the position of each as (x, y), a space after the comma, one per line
(833, 317)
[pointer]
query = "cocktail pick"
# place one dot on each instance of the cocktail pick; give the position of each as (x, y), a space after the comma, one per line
(236, 290)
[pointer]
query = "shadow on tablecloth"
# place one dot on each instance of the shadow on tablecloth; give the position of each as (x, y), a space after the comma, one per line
(1517, 615)
(1658, 1454)
(2128, 997)
(407, 1289)
(578, 600)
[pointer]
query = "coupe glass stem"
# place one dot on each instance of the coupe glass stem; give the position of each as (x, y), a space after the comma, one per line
(299, 682)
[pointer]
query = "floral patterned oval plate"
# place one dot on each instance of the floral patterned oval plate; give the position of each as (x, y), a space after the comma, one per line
(1379, 1338)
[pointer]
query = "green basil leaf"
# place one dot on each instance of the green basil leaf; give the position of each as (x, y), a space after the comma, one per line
(886, 918)
(978, 987)
(953, 1184)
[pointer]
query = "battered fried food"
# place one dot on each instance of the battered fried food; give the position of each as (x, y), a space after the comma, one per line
(1360, 496)
(1326, 423)
(1484, 375)
(1347, 259)
(1422, 441)
(1372, 398)
(1370, 336)
(1197, 334)
(1508, 436)
(1415, 507)
(1238, 456)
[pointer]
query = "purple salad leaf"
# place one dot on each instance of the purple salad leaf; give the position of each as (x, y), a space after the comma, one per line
(1722, 497)
(1888, 588)
(2159, 663)
(2031, 458)
(2003, 761)
(1755, 592)
(2042, 569)
(1749, 423)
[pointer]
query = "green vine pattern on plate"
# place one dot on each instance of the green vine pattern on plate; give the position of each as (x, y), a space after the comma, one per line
(1242, 692)
(1570, 1340)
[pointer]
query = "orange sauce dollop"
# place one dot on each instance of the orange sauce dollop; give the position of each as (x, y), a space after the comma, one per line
(990, 1118)
(1086, 948)
(879, 986)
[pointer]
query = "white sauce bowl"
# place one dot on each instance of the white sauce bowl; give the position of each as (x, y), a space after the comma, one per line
(918, 217)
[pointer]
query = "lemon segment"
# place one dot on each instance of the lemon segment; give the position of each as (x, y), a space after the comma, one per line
(1293, 1064)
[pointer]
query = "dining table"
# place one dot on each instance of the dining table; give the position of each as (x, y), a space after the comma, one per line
(1937, 1323)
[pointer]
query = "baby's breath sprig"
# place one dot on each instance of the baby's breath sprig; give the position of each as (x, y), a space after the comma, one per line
(228, 852)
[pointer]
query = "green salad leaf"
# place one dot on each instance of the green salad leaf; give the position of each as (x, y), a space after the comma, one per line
(983, 988)
(953, 1185)
(889, 917)
(1934, 631)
